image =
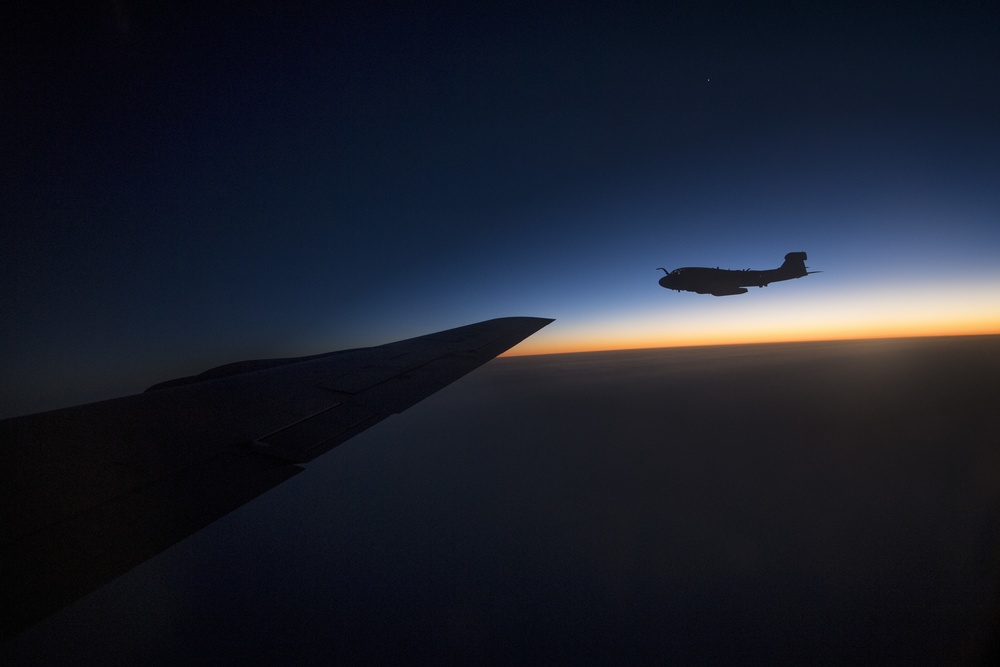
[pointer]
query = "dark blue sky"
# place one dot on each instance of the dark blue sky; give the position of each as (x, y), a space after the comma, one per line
(186, 186)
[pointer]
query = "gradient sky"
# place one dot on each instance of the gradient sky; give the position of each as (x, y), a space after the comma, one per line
(185, 187)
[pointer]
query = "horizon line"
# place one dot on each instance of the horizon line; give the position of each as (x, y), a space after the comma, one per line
(513, 351)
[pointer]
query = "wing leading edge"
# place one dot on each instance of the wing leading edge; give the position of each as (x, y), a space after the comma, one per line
(90, 492)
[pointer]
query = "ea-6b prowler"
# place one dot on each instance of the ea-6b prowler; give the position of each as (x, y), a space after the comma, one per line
(724, 282)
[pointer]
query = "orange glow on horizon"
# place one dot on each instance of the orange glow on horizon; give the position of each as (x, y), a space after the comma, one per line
(569, 344)
(843, 317)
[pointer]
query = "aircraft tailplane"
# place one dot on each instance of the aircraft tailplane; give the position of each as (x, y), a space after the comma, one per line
(795, 264)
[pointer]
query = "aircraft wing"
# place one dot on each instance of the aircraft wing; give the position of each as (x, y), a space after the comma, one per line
(90, 492)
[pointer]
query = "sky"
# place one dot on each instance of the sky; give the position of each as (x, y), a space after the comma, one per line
(185, 186)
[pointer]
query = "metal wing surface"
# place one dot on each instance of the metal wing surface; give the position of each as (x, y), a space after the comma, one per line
(90, 492)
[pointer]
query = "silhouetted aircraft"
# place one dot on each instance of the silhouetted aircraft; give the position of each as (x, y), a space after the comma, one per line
(92, 491)
(724, 282)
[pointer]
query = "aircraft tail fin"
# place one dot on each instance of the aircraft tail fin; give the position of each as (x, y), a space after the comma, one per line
(795, 264)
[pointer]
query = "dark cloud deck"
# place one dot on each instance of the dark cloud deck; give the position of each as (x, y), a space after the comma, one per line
(796, 503)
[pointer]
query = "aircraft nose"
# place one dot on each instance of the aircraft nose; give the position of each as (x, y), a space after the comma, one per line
(665, 281)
